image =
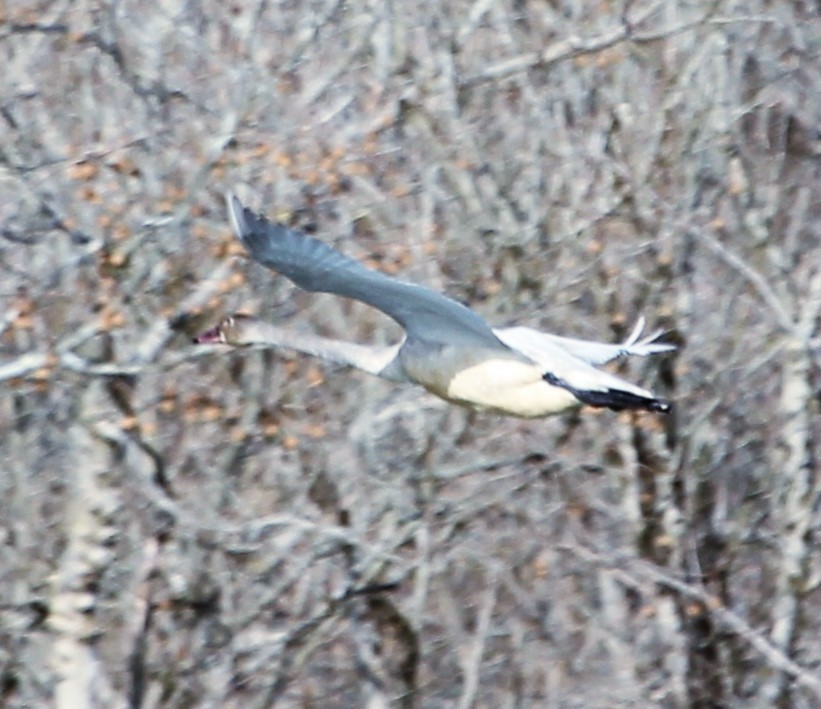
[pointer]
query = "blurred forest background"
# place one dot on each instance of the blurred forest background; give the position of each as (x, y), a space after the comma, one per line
(193, 527)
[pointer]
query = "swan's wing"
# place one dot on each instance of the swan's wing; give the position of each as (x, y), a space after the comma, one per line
(424, 314)
(567, 363)
(539, 346)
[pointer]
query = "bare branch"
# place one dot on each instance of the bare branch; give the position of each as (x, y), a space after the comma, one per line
(25, 364)
(566, 49)
(752, 276)
(472, 660)
(633, 572)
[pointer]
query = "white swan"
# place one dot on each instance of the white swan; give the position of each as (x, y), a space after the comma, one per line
(447, 347)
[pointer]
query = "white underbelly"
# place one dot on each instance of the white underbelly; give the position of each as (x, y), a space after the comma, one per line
(510, 387)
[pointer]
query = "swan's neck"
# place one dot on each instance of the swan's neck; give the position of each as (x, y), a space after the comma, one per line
(372, 359)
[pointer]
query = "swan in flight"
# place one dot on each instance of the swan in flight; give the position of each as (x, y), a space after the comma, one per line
(448, 349)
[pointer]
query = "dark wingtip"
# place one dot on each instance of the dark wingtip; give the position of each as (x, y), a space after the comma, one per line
(661, 406)
(614, 399)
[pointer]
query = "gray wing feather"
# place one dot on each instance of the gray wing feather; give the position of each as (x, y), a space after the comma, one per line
(314, 266)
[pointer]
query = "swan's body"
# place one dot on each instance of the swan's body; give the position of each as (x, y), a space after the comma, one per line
(448, 348)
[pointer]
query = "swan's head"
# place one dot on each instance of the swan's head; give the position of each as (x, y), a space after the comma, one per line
(234, 330)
